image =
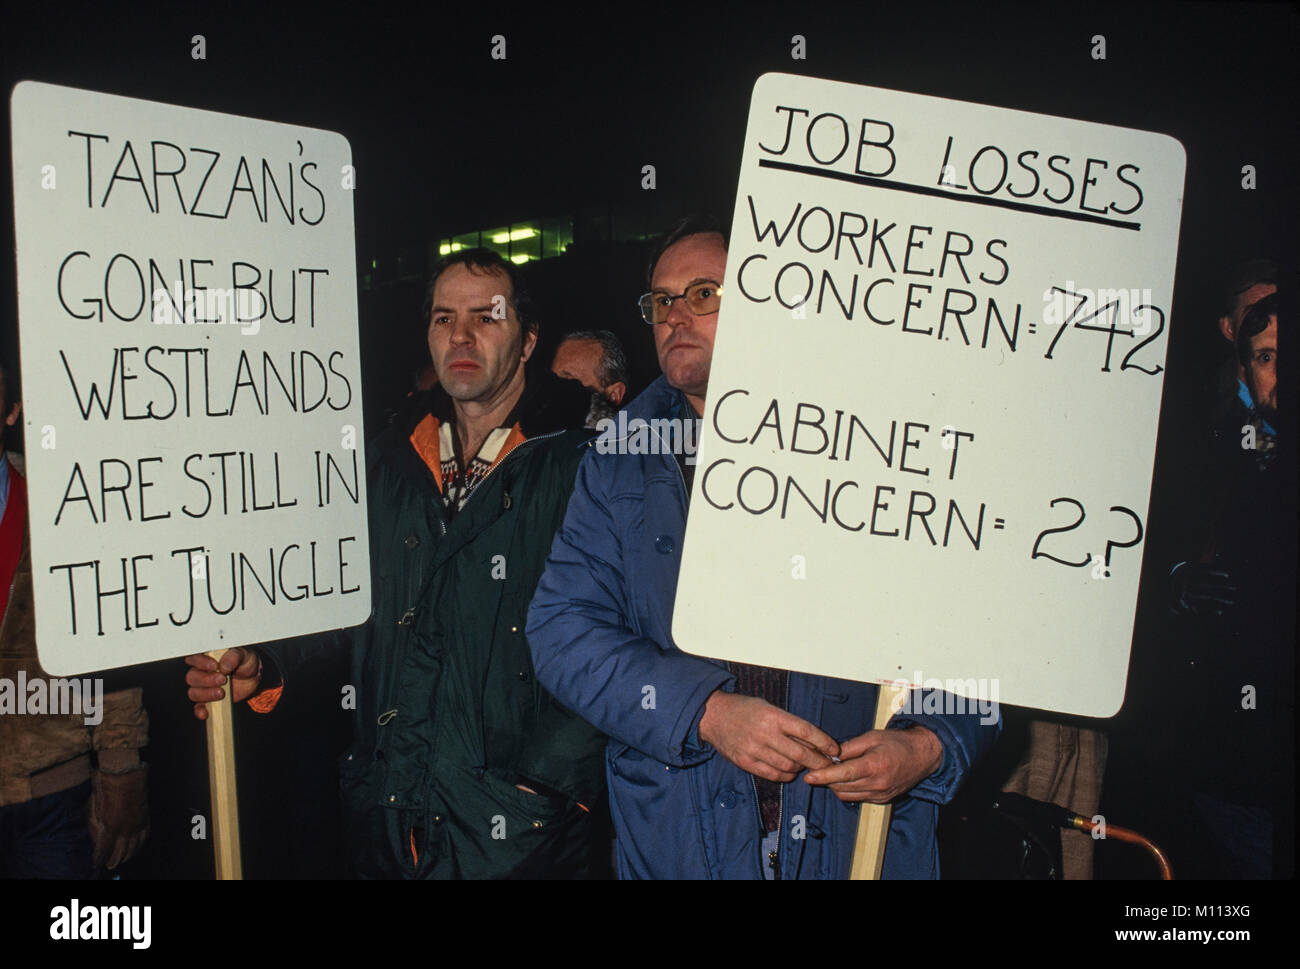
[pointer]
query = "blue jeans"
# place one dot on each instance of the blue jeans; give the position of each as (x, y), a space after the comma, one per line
(47, 837)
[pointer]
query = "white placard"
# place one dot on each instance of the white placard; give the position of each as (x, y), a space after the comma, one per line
(932, 411)
(191, 381)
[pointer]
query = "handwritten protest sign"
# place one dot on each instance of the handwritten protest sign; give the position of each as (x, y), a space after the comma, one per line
(931, 420)
(191, 382)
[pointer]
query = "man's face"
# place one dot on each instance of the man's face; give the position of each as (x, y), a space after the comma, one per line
(1229, 325)
(478, 346)
(1261, 370)
(685, 342)
(579, 360)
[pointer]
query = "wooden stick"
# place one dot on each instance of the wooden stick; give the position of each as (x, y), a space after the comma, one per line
(221, 784)
(873, 819)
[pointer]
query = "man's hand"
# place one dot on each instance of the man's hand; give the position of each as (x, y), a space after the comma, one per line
(207, 677)
(882, 765)
(118, 815)
(762, 739)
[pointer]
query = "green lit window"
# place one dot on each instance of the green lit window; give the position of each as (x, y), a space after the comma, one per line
(520, 242)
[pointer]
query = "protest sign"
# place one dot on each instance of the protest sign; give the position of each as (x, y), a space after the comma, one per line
(931, 420)
(191, 382)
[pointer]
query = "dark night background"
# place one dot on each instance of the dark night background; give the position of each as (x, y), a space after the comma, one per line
(446, 140)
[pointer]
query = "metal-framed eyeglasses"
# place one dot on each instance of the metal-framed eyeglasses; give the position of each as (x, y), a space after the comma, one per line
(702, 298)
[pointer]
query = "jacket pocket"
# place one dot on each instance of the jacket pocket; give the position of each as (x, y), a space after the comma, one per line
(501, 831)
(364, 819)
(660, 823)
(526, 806)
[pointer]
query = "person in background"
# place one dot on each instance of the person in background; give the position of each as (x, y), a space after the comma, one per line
(597, 360)
(73, 790)
(1197, 587)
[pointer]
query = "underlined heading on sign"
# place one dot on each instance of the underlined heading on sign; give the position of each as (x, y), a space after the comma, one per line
(940, 193)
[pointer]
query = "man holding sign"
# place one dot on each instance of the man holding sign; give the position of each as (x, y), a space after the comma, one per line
(705, 757)
(461, 766)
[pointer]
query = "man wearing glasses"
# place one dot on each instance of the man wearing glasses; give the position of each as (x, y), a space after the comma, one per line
(705, 757)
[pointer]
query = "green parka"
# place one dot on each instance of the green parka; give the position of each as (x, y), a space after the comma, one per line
(450, 718)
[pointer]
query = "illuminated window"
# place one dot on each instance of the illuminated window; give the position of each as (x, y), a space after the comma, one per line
(557, 236)
(498, 240)
(525, 242)
(520, 242)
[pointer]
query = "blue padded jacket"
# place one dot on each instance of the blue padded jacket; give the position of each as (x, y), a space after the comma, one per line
(599, 628)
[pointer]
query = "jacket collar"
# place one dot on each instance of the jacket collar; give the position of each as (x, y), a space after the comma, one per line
(660, 399)
(547, 404)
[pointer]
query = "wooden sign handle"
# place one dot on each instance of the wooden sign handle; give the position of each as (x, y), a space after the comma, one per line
(221, 784)
(873, 819)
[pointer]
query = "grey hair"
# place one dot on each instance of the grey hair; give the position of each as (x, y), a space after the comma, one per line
(613, 358)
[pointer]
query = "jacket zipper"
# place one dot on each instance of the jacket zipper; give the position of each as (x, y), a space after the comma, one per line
(780, 804)
(758, 812)
(780, 808)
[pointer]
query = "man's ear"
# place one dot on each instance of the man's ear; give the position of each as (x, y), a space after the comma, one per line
(12, 417)
(530, 342)
(616, 391)
(1225, 328)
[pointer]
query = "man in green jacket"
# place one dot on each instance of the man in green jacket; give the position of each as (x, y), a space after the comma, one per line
(461, 765)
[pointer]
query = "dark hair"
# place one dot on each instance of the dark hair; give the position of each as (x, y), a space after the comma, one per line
(697, 223)
(613, 358)
(486, 261)
(1241, 277)
(1255, 322)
